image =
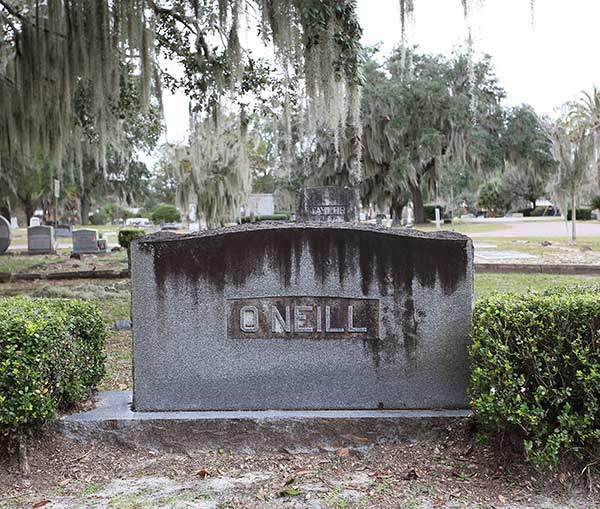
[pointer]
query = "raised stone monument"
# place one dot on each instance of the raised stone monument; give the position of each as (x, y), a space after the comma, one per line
(307, 316)
(85, 241)
(4, 234)
(40, 239)
(328, 204)
(34, 221)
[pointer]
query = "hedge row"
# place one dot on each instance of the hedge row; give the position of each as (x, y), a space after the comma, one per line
(582, 214)
(535, 362)
(51, 356)
(126, 235)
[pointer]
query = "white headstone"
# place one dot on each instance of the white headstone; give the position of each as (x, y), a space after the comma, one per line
(34, 221)
(14, 222)
(437, 219)
(4, 234)
(194, 227)
(85, 241)
(40, 239)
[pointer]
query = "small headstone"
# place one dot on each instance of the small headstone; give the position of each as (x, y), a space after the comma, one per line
(194, 227)
(40, 239)
(34, 221)
(63, 231)
(437, 219)
(329, 204)
(121, 325)
(4, 234)
(14, 222)
(85, 241)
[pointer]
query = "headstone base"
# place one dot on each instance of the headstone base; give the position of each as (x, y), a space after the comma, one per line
(294, 431)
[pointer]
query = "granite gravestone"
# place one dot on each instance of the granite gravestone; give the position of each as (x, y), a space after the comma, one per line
(328, 204)
(4, 234)
(34, 221)
(85, 241)
(64, 231)
(40, 239)
(301, 316)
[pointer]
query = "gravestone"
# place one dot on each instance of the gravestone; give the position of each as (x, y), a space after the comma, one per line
(4, 234)
(85, 241)
(40, 239)
(311, 316)
(64, 231)
(34, 221)
(14, 222)
(329, 204)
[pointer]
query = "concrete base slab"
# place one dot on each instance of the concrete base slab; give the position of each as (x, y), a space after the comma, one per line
(293, 431)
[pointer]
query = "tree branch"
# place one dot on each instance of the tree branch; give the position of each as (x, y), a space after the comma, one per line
(12, 11)
(201, 36)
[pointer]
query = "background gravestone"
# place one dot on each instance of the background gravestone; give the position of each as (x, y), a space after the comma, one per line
(301, 316)
(85, 241)
(329, 204)
(64, 231)
(4, 234)
(40, 239)
(34, 221)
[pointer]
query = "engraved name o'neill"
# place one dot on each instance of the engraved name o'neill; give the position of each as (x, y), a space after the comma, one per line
(303, 317)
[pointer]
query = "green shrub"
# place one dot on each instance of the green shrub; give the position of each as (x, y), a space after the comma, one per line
(267, 217)
(166, 213)
(596, 202)
(126, 235)
(51, 356)
(535, 362)
(582, 214)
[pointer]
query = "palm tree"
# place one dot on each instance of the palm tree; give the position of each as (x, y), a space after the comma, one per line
(574, 151)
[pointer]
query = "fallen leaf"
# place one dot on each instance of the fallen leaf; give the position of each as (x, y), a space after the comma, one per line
(501, 499)
(202, 473)
(41, 503)
(290, 492)
(360, 440)
(343, 452)
(64, 482)
(562, 478)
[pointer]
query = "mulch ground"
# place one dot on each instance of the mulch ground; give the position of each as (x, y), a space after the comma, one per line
(457, 471)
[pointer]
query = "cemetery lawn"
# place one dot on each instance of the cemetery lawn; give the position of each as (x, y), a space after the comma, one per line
(61, 262)
(455, 471)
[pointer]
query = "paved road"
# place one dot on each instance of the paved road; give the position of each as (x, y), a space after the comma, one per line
(539, 229)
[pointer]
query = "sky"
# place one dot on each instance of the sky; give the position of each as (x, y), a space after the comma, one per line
(545, 63)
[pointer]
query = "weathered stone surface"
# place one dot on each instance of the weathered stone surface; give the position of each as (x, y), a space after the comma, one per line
(295, 431)
(40, 239)
(85, 241)
(4, 234)
(184, 285)
(328, 204)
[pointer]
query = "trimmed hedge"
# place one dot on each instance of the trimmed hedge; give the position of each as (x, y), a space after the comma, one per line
(51, 356)
(535, 362)
(166, 213)
(126, 235)
(582, 214)
(267, 217)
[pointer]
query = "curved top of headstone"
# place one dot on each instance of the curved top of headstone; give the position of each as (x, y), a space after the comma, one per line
(4, 234)
(329, 204)
(232, 254)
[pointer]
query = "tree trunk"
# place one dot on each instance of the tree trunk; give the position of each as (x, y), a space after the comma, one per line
(396, 213)
(573, 221)
(417, 199)
(5, 212)
(23, 460)
(84, 204)
(29, 210)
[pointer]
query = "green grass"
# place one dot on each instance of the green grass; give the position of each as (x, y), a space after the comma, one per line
(465, 228)
(21, 263)
(486, 284)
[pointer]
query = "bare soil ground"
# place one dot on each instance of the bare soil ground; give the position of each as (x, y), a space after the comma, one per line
(456, 472)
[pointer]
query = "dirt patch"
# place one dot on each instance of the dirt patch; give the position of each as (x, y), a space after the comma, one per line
(454, 472)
